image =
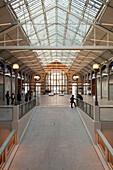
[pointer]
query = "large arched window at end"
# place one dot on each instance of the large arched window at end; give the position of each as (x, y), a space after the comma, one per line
(56, 82)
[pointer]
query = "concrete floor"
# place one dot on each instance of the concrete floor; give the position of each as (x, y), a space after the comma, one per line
(56, 140)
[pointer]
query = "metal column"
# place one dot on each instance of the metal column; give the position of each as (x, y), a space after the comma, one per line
(96, 102)
(4, 82)
(108, 83)
(11, 80)
(16, 86)
(101, 83)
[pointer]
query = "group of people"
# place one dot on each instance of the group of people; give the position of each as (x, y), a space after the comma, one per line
(72, 100)
(28, 96)
(12, 97)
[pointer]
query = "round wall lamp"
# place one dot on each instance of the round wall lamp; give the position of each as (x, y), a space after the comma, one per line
(75, 77)
(95, 66)
(15, 66)
(37, 77)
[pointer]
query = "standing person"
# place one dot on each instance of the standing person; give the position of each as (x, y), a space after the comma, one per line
(7, 97)
(26, 97)
(29, 95)
(79, 97)
(18, 98)
(72, 101)
(12, 98)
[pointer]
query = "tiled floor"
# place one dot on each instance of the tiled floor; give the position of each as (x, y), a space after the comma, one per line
(56, 140)
(91, 100)
(55, 100)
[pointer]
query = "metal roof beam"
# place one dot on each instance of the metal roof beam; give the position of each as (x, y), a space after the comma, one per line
(77, 47)
(20, 24)
(88, 22)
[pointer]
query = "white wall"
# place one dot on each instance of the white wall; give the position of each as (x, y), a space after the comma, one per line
(104, 87)
(7, 85)
(1, 79)
(98, 87)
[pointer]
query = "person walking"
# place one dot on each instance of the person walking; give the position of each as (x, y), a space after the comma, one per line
(72, 101)
(7, 97)
(12, 98)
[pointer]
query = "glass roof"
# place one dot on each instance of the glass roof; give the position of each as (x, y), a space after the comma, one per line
(56, 23)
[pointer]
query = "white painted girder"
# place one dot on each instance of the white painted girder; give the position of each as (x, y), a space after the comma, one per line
(56, 48)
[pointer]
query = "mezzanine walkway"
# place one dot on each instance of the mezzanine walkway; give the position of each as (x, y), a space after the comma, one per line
(56, 140)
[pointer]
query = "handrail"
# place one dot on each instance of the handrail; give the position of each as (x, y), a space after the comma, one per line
(27, 102)
(26, 107)
(86, 107)
(105, 141)
(7, 148)
(6, 142)
(105, 148)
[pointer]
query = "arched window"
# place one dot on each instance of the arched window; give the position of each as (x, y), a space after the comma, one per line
(56, 82)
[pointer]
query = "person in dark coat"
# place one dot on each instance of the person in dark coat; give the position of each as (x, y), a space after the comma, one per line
(26, 97)
(79, 97)
(72, 101)
(7, 97)
(12, 98)
(18, 98)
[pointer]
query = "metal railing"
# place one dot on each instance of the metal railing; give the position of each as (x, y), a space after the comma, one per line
(105, 148)
(86, 107)
(7, 148)
(26, 107)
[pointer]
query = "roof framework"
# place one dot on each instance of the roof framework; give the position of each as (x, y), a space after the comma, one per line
(58, 23)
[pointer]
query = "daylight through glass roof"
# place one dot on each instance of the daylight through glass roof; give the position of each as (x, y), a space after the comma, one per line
(56, 23)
